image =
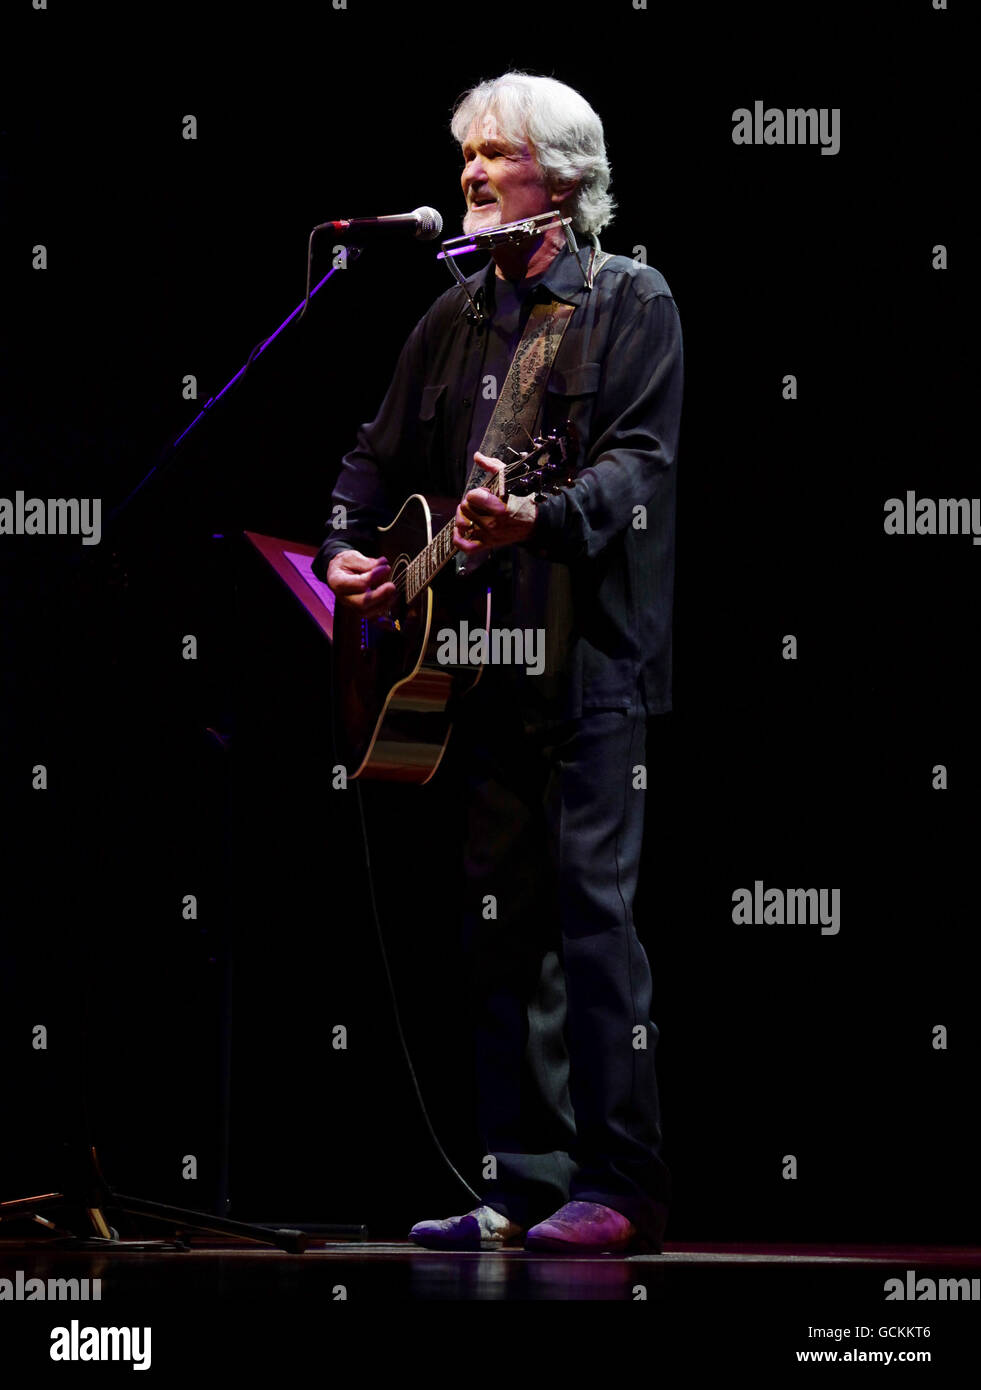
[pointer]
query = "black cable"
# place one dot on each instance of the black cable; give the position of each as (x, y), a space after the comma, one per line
(395, 1008)
(391, 987)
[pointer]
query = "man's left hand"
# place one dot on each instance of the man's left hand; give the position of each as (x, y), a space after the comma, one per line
(484, 522)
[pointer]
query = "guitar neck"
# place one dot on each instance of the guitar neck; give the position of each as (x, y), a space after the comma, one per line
(424, 568)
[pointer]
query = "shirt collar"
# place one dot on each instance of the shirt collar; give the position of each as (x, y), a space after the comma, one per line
(563, 278)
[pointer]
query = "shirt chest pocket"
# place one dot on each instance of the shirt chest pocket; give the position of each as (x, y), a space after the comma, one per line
(429, 405)
(431, 430)
(571, 396)
(575, 381)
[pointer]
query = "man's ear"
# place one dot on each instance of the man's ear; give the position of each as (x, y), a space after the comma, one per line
(563, 191)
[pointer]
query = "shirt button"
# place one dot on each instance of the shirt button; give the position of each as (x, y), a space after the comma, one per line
(468, 400)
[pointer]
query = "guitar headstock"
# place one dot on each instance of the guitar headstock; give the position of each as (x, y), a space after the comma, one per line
(548, 466)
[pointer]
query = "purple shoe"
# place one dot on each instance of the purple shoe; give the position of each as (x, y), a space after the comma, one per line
(583, 1227)
(481, 1229)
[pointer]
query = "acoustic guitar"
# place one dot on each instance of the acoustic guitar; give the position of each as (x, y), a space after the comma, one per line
(391, 690)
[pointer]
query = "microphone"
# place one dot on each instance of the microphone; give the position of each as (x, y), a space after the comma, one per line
(425, 224)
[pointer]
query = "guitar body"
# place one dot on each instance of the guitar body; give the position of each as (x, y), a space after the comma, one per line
(389, 689)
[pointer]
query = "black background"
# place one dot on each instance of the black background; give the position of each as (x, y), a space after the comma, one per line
(168, 257)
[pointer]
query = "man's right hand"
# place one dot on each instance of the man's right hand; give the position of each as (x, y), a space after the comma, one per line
(361, 582)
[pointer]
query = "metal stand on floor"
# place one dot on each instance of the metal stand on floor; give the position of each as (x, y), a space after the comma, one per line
(86, 1202)
(88, 1198)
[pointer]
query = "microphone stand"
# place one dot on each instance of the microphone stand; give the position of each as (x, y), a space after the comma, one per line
(353, 252)
(87, 1196)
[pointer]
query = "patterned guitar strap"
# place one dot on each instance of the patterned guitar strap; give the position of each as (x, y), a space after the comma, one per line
(512, 424)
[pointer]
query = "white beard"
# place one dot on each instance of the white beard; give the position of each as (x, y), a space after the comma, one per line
(480, 221)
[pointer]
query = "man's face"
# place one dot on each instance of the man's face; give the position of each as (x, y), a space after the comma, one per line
(501, 183)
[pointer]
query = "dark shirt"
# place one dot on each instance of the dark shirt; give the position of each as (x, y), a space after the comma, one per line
(596, 574)
(509, 304)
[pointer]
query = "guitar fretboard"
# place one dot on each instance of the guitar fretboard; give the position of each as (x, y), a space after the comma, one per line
(428, 563)
(421, 571)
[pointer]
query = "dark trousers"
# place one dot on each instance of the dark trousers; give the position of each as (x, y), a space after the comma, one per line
(558, 982)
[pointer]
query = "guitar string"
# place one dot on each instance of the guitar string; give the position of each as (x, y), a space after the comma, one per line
(415, 568)
(520, 392)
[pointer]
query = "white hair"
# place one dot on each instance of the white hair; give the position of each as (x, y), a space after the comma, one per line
(562, 130)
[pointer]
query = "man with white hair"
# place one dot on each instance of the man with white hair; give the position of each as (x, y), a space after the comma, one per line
(554, 763)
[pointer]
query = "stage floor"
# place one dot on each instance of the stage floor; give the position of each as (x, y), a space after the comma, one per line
(402, 1269)
(221, 1303)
